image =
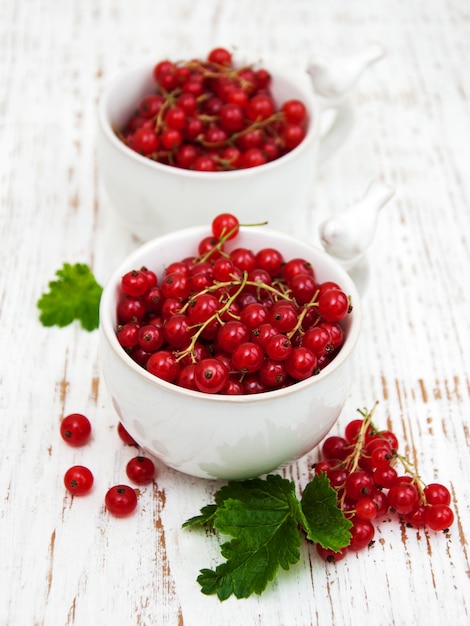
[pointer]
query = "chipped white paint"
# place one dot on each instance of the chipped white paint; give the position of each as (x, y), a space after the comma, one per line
(66, 562)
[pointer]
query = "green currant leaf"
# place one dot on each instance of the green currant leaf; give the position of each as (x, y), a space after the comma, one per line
(324, 522)
(206, 517)
(74, 296)
(263, 517)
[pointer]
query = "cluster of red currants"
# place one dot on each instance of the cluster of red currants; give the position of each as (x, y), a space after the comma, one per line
(207, 115)
(120, 500)
(363, 467)
(238, 322)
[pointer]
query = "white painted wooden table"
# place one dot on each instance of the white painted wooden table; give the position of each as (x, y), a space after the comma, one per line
(68, 562)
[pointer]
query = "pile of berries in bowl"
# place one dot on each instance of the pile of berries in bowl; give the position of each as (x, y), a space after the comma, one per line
(208, 115)
(227, 349)
(178, 138)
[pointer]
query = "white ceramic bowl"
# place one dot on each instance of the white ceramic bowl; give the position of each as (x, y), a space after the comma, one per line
(219, 436)
(152, 198)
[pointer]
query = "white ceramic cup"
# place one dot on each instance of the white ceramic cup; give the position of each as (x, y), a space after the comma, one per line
(153, 198)
(219, 436)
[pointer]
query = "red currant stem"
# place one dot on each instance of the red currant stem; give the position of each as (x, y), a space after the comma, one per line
(302, 315)
(230, 141)
(216, 316)
(352, 460)
(222, 240)
(417, 480)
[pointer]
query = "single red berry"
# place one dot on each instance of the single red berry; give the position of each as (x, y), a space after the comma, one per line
(141, 470)
(121, 500)
(144, 141)
(438, 517)
(211, 375)
(294, 111)
(301, 363)
(330, 556)
(359, 484)
(125, 436)
(164, 365)
(135, 283)
(220, 56)
(435, 493)
(403, 497)
(362, 533)
(225, 225)
(333, 305)
(78, 480)
(75, 429)
(366, 509)
(272, 373)
(335, 447)
(247, 357)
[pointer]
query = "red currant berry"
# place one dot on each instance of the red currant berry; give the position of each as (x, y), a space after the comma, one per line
(247, 357)
(417, 516)
(318, 340)
(436, 493)
(164, 365)
(211, 375)
(359, 484)
(75, 429)
(283, 315)
(141, 470)
(278, 347)
(121, 500)
(177, 331)
(335, 447)
(301, 363)
(134, 283)
(384, 477)
(220, 56)
(330, 556)
(333, 305)
(150, 338)
(272, 373)
(362, 533)
(438, 517)
(294, 111)
(231, 335)
(366, 509)
(128, 334)
(78, 480)
(403, 497)
(125, 436)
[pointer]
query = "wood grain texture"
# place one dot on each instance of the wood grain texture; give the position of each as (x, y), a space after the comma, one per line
(64, 561)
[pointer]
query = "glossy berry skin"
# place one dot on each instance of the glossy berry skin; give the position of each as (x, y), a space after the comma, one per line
(75, 429)
(211, 375)
(120, 500)
(362, 533)
(438, 517)
(78, 480)
(125, 436)
(140, 470)
(403, 497)
(436, 493)
(333, 305)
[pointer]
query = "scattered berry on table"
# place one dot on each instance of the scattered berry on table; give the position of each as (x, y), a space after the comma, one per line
(78, 480)
(120, 500)
(75, 429)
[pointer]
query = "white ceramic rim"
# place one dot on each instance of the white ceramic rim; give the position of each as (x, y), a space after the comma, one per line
(129, 263)
(313, 130)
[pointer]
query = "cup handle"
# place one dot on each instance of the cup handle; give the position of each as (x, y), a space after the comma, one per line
(333, 81)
